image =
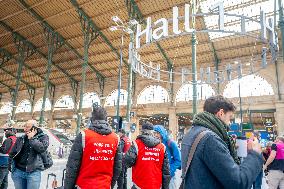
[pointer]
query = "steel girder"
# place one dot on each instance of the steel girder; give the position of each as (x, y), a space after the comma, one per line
(90, 34)
(96, 28)
(38, 17)
(9, 87)
(25, 50)
(8, 56)
(54, 41)
(8, 28)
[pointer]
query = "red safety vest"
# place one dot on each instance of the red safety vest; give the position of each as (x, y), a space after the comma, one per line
(13, 138)
(147, 171)
(96, 169)
(127, 143)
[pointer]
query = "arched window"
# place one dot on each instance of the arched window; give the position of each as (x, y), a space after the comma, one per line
(64, 102)
(89, 99)
(6, 108)
(38, 105)
(111, 100)
(251, 85)
(185, 92)
(153, 94)
(24, 106)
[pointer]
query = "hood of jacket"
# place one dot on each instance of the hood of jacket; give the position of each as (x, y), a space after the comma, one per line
(163, 132)
(100, 126)
(148, 140)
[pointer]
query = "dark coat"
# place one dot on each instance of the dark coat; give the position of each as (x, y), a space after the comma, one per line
(38, 145)
(212, 165)
(149, 141)
(74, 159)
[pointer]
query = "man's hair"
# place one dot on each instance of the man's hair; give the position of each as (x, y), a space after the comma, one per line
(99, 113)
(281, 138)
(215, 103)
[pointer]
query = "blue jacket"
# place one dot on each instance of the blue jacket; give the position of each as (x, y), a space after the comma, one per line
(173, 151)
(212, 165)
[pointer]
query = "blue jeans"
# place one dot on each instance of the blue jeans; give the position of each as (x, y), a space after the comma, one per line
(24, 180)
(258, 182)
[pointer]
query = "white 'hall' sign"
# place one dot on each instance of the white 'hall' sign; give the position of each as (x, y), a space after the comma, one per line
(160, 28)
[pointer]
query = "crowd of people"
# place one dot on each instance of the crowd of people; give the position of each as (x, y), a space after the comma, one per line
(100, 158)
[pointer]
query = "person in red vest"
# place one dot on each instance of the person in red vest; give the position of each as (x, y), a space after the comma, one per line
(125, 145)
(95, 160)
(149, 162)
(4, 156)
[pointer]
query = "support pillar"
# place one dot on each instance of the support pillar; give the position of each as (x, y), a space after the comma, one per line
(130, 79)
(194, 71)
(53, 42)
(279, 117)
(89, 36)
(25, 50)
(281, 24)
(173, 122)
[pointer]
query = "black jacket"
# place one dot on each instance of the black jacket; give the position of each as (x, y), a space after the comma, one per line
(74, 159)
(38, 145)
(4, 150)
(149, 141)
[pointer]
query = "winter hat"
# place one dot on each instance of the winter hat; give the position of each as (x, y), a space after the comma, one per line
(147, 126)
(99, 113)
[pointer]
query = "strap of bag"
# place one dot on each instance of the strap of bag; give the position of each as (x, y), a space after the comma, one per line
(83, 139)
(191, 153)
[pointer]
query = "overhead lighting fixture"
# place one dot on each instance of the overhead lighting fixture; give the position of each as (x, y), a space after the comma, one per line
(133, 22)
(113, 28)
(128, 30)
(116, 19)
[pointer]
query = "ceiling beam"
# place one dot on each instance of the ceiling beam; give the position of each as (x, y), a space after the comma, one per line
(11, 74)
(9, 87)
(8, 28)
(96, 28)
(38, 17)
(25, 65)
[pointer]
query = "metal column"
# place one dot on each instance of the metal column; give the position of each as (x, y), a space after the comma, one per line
(194, 71)
(130, 79)
(53, 42)
(24, 50)
(90, 34)
(119, 79)
(281, 24)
